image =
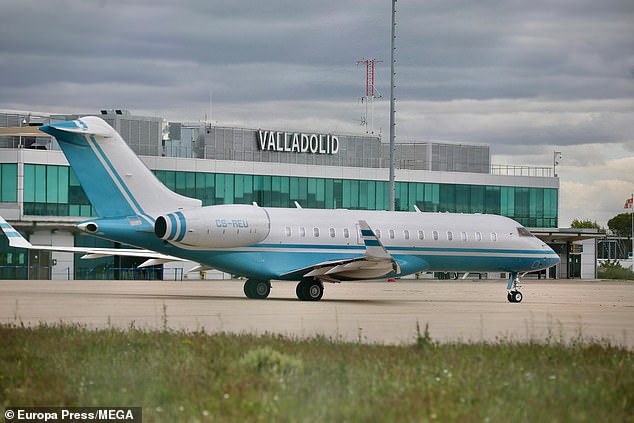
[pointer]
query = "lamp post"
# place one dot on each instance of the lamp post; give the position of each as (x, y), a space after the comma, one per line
(631, 201)
(392, 117)
(556, 159)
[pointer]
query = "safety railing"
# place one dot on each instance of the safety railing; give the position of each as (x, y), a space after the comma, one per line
(25, 272)
(123, 273)
(130, 273)
(513, 170)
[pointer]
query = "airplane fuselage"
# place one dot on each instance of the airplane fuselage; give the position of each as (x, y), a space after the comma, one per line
(296, 238)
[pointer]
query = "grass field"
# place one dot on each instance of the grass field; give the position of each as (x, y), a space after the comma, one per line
(179, 376)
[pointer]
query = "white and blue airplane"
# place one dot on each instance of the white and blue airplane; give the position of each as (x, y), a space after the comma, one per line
(262, 244)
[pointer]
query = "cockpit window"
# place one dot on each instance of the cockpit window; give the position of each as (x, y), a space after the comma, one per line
(522, 231)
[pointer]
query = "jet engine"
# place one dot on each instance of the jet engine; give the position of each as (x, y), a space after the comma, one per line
(214, 226)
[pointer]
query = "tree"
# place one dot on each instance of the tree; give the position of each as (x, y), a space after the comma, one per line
(621, 225)
(587, 224)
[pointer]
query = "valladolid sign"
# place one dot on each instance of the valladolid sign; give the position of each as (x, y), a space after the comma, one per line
(298, 142)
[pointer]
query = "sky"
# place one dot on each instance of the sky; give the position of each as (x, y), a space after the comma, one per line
(527, 78)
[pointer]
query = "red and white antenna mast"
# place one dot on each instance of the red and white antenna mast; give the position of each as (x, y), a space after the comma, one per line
(368, 99)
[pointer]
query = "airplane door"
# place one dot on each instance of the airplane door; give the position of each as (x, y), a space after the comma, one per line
(359, 239)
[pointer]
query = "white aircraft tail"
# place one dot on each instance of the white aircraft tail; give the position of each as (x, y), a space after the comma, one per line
(115, 180)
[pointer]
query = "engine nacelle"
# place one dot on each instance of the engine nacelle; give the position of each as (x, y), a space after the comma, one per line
(222, 226)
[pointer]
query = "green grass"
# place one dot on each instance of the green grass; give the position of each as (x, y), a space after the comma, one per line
(184, 376)
(614, 270)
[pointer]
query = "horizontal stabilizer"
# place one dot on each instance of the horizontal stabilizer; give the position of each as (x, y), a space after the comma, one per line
(23, 131)
(80, 127)
(94, 256)
(153, 262)
(15, 239)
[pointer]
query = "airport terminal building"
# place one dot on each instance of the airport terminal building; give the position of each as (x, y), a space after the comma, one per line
(41, 197)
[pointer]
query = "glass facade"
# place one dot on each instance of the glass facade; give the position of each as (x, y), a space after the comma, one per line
(8, 183)
(533, 207)
(13, 261)
(51, 190)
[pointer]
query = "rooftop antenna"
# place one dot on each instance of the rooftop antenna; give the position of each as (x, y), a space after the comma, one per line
(368, 99)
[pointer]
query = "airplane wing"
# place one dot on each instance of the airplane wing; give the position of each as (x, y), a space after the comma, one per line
(153, 258)
(375, 262)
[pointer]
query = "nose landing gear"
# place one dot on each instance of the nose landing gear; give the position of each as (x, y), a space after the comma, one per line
(514, 295)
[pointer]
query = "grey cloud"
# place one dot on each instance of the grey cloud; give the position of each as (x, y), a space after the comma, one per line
(147, 53)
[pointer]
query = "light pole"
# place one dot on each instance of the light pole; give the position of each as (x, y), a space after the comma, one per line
(392, 117)
(631, 201)
(556, 159)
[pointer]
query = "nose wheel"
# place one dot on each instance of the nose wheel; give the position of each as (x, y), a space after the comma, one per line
(514, 295)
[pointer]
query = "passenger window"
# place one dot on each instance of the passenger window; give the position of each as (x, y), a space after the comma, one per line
(332, 232)
(478, 236)
(316, 232)
(346, 233)
(288, 231)
(449, 236)
(435, 233)
(463, 236)
(391, 233)
(406, 234)
(494, 236)
(421, 235)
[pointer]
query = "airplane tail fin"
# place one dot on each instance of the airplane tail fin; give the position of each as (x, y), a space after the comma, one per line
(16, 240)
(115, 180)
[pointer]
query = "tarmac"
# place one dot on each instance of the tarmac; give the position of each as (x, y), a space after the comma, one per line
(369, 312)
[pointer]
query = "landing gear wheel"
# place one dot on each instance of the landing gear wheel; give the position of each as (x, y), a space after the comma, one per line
(513, 288)
(309, 290)
(256, 289)
(515, 297)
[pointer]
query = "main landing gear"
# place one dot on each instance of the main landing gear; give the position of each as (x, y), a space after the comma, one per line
(309, 289)
(514, 295)
(257, 289)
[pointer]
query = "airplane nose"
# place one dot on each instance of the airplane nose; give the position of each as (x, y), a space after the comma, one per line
(552, 258)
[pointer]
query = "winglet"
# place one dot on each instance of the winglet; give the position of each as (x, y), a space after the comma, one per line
(373, 247)
(15, 239)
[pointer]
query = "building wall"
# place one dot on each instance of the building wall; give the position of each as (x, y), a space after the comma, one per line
(61, 264)
(363, 151)
(589, 259)
(49, 187)
(143, 134)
